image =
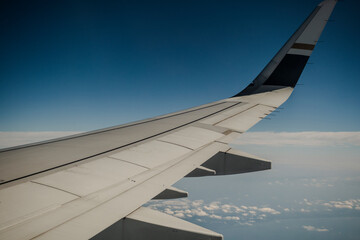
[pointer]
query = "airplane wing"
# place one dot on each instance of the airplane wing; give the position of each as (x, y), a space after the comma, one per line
(93, 185)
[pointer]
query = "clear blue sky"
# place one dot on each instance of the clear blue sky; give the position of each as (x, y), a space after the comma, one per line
(83, 65)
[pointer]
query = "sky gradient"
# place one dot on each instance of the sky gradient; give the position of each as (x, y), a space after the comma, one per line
(74, 66)
(83, 65)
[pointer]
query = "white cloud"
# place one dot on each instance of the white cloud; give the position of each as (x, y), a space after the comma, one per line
(347, 204)
(168, 211)
(307, 202)
(215, 216)
(227, 208)
(232, 218)
(246, 224)
(179, 215)
(212, 206)
(197, 203)
(199, 212)
(11, 139)
(304, 210)
(269, 210)
(187, 211)
(300, 138)
(312, 228)
(342, 206)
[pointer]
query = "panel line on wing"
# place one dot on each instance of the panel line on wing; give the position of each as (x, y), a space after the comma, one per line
(217, 123)
(176, 144)
(59, 189)
(118, 159)
(117, 148)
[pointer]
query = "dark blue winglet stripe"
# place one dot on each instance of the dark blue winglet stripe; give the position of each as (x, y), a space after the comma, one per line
(288, 71)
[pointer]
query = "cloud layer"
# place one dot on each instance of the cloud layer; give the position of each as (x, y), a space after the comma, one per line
(350, 205)
(300, 138)
(312, 228)
(245, 215)
(215, 211)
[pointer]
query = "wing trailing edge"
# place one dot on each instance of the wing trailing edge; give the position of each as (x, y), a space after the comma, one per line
(171, 193)
(149, 224)
(232, 162)
(201, 171)
(235, 162)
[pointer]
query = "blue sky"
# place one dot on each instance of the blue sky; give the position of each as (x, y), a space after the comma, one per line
(74, 66)
(83, 65)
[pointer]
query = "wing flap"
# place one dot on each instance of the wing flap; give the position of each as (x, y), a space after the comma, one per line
(171, 193)
(234, 162)
(149, 224)
(201, 172)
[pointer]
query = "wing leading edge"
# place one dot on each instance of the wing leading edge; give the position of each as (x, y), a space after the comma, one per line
(59, 189)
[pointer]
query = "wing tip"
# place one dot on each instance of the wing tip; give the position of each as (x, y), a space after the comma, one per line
(327, 2)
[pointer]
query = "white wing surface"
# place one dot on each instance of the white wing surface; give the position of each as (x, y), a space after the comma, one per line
(93, 185)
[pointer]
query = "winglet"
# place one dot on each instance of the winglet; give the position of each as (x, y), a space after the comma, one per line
(287, 65)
